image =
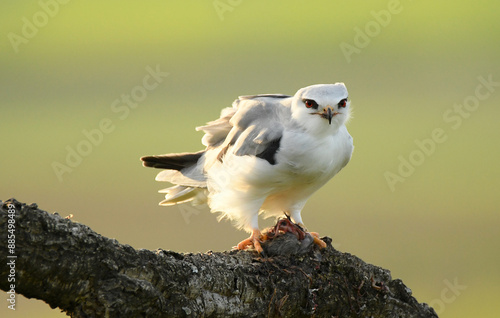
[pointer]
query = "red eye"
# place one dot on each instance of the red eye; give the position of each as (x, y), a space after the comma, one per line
(310, 103)
(343, 103)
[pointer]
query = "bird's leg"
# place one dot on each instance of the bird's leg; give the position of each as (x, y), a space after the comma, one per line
(253, 240)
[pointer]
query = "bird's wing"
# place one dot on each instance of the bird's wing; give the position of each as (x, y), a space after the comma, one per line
(253, 126)
(216, 131)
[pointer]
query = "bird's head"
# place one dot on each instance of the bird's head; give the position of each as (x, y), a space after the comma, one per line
(322, 107)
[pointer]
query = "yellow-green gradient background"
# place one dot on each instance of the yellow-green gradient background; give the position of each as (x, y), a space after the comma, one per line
(439, 226)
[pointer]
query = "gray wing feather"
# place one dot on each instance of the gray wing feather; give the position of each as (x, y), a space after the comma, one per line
(250, 126)
(216, 131)
(279, 96)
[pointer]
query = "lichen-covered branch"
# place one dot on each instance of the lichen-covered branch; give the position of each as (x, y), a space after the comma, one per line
(69, 266)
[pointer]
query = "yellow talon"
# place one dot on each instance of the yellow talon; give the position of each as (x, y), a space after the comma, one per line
(252, 241)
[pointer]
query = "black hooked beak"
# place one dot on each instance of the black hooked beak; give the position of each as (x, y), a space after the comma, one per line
(329, 113)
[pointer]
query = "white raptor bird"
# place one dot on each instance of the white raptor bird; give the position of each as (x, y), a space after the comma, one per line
(265, 154)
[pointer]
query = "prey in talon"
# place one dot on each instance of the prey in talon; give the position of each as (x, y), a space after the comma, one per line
(285, 225)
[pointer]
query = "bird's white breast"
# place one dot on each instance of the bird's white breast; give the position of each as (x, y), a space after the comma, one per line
(312, 159)
(305, 163)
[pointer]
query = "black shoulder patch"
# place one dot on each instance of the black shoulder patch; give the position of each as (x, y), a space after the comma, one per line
(270, 152)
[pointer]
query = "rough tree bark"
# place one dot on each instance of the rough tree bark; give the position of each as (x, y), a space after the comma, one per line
(69, 266)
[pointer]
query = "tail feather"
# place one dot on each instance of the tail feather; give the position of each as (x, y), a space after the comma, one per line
(176, 161)
(185, 171)
(181, 194)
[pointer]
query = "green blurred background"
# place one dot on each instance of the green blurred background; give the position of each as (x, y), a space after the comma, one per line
(439, 227)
